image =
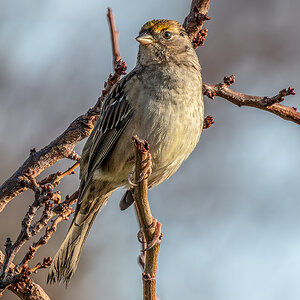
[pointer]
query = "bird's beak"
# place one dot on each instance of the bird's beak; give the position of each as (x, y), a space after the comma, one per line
(145, 39)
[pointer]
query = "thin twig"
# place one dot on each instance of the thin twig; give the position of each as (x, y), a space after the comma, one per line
(12, 249)
(43, 196)
(114, 34)
(270, 104)
(146, 220)
(55, 178)
(194, 22)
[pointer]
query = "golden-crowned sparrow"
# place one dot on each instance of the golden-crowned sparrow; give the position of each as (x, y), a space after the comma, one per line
(161, 101)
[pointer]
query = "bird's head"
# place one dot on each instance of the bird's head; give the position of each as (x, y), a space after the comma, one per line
(163, 41)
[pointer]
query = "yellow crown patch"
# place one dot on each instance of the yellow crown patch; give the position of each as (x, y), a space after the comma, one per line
(160, 25)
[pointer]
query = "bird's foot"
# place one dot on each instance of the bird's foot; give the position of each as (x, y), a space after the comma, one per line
(131, 183)
(157, 235)
(147, 170)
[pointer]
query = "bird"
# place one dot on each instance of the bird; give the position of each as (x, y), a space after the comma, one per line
(161, 101)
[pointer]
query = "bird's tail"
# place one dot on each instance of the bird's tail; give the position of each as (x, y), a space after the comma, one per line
(66, 259)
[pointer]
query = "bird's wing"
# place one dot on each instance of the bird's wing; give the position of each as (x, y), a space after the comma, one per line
(114, 117)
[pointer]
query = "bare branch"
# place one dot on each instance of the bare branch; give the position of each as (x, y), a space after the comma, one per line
(265, 103)
(26, 290)
(44, 196)
(17, 277)
(194, 22)
(151, 228)
(114, 34)
(55, 178)
(62, 146)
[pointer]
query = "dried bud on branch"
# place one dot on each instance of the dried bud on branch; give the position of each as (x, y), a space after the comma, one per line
(208, 121)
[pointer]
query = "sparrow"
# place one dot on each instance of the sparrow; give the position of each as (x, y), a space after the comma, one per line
(160, 101)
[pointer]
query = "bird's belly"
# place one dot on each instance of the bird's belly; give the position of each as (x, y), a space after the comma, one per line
(174, 138)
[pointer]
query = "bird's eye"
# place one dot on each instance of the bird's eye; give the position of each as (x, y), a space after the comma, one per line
(167, 35)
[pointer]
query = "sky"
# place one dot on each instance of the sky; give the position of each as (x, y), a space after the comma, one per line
(230, 215)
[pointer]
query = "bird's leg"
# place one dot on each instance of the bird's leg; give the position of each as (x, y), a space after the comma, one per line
(147, 170)
(156, 237)
(147, 246)
(141, 238)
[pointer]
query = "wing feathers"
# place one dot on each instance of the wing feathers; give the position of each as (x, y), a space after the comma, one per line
(115, 115)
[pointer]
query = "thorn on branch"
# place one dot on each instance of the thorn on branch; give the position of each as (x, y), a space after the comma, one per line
(208, 121)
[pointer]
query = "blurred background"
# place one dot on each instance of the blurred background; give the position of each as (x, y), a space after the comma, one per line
(230, 215)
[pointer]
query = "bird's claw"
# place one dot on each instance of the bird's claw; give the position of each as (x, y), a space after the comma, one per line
(140, 237)
(156, 236)
(131, 183)
(146, 172)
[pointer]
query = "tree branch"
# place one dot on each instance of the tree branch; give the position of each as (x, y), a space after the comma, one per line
(44, 196)
(114, 34)
(62, 146)
(150, 227)
(17, 277)
(265, 103)
(28, 291)
(194, 22)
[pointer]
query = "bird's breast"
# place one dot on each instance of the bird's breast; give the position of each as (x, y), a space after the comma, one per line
(172, 122)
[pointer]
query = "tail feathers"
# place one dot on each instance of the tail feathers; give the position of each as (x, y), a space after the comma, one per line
(66, 259)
